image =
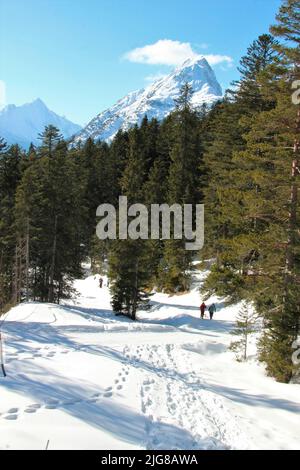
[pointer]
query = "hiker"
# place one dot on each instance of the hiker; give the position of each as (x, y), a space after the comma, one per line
(212, 309)
(100, 282)
(202, 309)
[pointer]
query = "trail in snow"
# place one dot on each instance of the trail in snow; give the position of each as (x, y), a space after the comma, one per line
(174, 394)
(83, 378)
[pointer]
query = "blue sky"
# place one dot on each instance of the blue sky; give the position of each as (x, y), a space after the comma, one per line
(79, 56)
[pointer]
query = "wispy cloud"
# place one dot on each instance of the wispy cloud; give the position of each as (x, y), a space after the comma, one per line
(169, 52)
(2, 94)
(215, 59)
(162, 52)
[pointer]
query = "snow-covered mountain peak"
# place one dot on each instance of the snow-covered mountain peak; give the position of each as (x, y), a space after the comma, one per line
(193, 61)
(37, 103)
(22, 124)
(156, 100)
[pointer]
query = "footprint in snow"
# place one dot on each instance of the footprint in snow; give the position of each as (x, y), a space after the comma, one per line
(71, 402)
(11, 417)
(13, 410)
(119, 387)
(107, 394)
(92, 400)
(36, 406)
(51, 404)
(30, 410)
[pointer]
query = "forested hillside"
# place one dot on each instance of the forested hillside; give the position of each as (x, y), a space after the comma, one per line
(240, 158)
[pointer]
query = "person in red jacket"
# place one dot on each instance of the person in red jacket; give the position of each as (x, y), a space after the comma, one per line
(202, 309)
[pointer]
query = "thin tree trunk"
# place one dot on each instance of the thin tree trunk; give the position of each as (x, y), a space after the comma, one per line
(293, 201)
(27, 261)
(52, 267)
(16, 276)
(134, 306)
(292, 229)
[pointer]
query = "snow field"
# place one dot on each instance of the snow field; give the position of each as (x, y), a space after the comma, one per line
(83, 378)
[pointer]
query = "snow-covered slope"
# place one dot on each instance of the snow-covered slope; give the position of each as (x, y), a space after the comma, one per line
(82, 378)
(157, 100)
(22, 124)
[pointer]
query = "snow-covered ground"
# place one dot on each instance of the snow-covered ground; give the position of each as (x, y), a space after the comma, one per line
(79, 377)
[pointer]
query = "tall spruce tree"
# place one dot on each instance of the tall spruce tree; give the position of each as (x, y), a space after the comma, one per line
(185, 169)
(260, 255)
(48, 213)
(230, 235)
(260, 54)
(10, 175)
(130, 261)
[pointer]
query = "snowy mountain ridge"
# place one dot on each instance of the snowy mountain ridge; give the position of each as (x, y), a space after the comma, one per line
(22, 124)
(155, 101)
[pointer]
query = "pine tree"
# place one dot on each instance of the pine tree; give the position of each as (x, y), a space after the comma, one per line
(232, 237)
(260, 54)
(185, 170)
(130, 261)
(10, 174)
(50, 138)
(129, 270)
(48, 213)
(264, 251)
(283, 320)
(95, 164)
(246, 325)
(288, 29)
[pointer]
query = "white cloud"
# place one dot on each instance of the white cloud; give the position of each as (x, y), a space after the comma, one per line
(169, 52)
(162, 52)
(2, 94)
(215, 59)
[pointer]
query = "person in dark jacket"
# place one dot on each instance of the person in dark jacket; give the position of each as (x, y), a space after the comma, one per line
(211, 309)
(100, 282)
(202, 309)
